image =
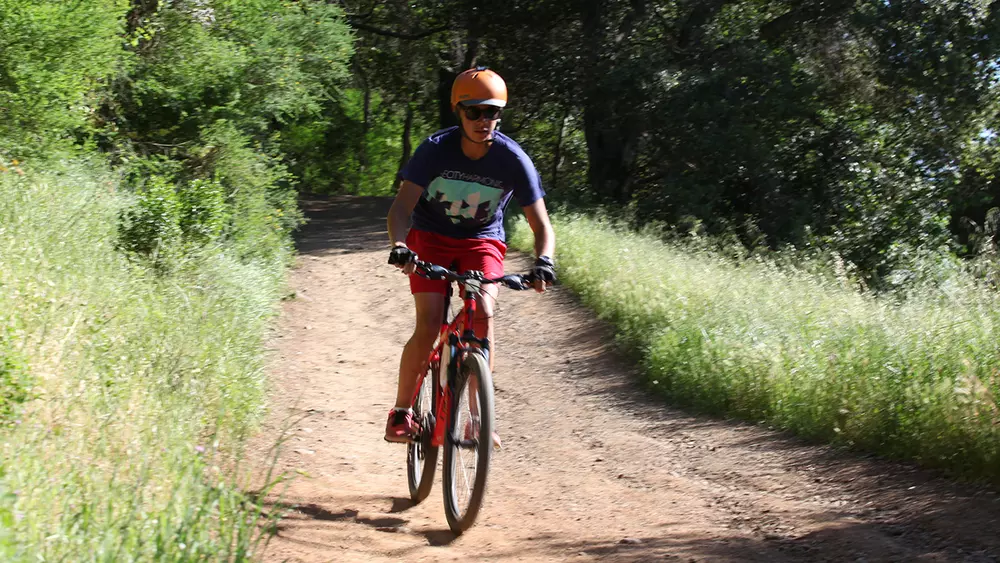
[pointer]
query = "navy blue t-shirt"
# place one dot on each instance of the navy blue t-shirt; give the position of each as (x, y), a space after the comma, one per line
(466, 198)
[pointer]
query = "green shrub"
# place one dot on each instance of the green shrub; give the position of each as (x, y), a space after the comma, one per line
(203, 211)
(15, 383)
(53, 55)
(262, 206)
(152, 227)
(224, 191)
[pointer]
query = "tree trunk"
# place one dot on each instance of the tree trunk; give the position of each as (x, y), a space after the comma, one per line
(609, 125)
(611, 151)
(446, 117)
(557, 150)
(407, 144)
(366, 118)
(464, 59)
(141, 9)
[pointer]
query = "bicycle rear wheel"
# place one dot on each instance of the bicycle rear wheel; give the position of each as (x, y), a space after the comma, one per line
(421, 456)
(469, 443)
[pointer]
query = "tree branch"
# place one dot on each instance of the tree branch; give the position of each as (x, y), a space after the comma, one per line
(396, 34)
(347, 10)
(801, 14)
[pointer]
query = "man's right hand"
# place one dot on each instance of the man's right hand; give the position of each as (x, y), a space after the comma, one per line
(402, 257)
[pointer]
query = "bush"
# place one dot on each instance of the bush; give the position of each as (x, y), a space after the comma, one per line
(15, 382)
(261, 200)
(53, 55)
(152, 227)
(222, 191)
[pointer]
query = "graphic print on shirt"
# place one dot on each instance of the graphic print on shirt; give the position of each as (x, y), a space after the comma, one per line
(466, 199)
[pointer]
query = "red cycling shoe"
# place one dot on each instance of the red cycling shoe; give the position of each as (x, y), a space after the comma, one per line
(401, 427)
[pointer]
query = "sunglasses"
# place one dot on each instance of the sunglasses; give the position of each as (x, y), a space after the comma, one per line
(473, 113)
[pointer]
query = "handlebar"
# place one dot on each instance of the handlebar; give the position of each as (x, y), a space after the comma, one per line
(435, 272)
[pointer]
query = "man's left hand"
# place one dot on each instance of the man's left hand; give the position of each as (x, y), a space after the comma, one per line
(544, 272)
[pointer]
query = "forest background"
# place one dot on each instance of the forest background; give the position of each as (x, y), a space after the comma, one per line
(863, 128)
(151, 154)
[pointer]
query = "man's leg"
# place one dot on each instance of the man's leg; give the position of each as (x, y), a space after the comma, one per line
(485, 307)
(430, 309)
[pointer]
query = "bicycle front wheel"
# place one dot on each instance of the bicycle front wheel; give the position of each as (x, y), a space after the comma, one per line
(469, 443)
(421, 456)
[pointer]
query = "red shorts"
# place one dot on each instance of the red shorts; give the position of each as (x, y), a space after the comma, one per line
(461, 255)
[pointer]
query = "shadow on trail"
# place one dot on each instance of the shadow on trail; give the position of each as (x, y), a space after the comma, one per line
(865, 545)
(295, 517)
(401, 505)
(317, 512)
(342, 224)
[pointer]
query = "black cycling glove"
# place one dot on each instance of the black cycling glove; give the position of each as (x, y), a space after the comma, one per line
(544, 270)
(401, 256)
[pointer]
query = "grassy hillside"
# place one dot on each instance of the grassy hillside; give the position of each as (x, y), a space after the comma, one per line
(913, 378)
(125, 388)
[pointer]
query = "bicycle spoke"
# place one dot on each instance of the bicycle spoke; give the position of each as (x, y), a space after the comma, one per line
(468, 455)
(468, 445)
(465, 478)
(421, 457)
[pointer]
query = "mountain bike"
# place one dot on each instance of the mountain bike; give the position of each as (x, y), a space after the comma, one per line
(454, 408)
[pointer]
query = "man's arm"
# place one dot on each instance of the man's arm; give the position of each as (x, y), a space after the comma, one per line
(399, 214)
(398, 221)
(538, 220)
(545, 238)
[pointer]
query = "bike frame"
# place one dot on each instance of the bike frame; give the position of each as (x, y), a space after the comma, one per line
(456, 333)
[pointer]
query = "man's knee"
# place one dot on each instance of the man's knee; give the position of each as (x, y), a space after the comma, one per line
(430, 309)
(426, 329)
(486, 305)
(484, 313)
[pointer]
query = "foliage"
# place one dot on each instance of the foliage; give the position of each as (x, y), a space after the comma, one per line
(259, 65)
(153, 224)
(53, 57)
(215, 89)
(334, 153)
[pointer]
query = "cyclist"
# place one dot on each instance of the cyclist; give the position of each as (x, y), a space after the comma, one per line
(455, 189)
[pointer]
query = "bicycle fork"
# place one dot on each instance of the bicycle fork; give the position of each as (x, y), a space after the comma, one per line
(443, 407)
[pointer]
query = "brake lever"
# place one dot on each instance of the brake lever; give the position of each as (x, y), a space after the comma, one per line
(517, 281)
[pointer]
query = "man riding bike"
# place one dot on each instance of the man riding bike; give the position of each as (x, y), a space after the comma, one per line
(455, 190)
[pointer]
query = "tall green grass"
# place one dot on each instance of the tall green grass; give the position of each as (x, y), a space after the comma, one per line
(915, 378)
(135, 389)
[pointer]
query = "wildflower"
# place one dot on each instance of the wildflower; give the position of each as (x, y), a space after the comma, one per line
(200, 449)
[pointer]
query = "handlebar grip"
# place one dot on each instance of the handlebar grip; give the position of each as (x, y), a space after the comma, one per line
(432, 271)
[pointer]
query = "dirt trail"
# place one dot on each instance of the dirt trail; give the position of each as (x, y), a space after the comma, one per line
(592, 468)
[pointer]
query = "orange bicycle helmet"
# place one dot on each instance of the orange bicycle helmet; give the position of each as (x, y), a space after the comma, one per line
(477, 86)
